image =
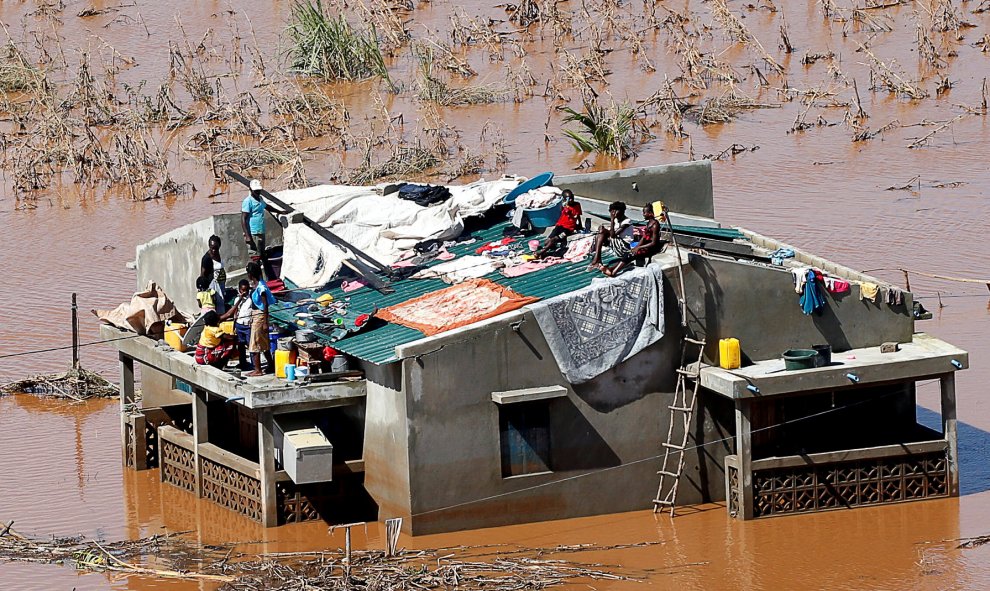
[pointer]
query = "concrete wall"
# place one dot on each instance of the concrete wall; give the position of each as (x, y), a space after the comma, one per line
(685, 187)
(758, 305)
(601, 431)
(386, 454)
(172, 259)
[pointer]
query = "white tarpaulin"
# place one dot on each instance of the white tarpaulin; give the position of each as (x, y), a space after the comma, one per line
(384, 227)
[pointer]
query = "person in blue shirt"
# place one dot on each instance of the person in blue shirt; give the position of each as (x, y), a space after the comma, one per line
(261, 301)
(253, 224)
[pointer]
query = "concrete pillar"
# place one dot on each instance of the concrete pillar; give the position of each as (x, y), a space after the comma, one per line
(947, 384)
(200, 433)
(126, 399)
(744, 451)
(266, 461)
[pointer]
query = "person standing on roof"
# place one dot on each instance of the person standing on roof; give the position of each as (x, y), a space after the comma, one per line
(617, 235)
(211, 268)
(253, 224)
(568, 224)
(261, 301)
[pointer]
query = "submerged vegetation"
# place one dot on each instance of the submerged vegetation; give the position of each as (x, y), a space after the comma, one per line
(79, 111)
(329, 47)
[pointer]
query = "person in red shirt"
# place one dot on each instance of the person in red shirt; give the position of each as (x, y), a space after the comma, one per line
(568, 224)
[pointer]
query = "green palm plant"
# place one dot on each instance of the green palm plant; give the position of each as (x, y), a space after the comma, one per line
(606, 129)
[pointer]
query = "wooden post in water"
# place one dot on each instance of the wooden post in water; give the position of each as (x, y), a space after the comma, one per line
(75, 333)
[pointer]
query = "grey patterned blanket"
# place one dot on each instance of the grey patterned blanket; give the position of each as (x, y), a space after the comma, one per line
(596, 328)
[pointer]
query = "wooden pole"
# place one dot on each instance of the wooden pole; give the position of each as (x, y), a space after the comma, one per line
(75, 333)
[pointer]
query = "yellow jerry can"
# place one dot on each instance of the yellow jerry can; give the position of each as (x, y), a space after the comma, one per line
(729, 356)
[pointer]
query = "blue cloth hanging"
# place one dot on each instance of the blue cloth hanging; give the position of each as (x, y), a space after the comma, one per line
(811, 299)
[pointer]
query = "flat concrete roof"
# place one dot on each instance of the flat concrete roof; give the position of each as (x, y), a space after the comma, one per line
(924, 356)
(264, 392)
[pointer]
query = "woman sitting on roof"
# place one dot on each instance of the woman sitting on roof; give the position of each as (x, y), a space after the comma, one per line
(215, 346)
(649, 244)
(617, 235)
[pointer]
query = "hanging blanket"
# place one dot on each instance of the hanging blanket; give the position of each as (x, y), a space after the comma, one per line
(596, 328)
(455, 306)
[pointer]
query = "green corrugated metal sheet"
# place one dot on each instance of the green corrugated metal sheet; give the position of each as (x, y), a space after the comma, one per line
(377, 343)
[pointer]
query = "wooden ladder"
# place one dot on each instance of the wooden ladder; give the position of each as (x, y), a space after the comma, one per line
(684, 408)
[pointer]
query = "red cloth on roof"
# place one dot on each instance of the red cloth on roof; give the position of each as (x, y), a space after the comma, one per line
(493, 245)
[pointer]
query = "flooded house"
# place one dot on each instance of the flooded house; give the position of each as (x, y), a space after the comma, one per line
(478, 396)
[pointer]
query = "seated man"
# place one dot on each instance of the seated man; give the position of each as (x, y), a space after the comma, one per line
(215, 346)
(617, 235)
(568, 223)
(649, 244)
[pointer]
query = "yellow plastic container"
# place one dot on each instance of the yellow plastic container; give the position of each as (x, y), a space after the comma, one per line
(729, 356)
(173, 335)
(283, 358)
(325, 300)
(227, 327)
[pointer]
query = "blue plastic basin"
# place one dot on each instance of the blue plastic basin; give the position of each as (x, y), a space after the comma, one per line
(545, 217)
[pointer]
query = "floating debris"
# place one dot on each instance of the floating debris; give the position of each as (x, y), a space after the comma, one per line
(77, 384)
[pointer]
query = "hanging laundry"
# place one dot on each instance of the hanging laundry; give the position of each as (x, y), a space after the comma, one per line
(868, 291)
(811, 300)
(894, 296)
(800, 277)
(836, 285)
(777, 257)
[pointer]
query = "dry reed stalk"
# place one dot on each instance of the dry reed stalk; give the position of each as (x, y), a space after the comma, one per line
(667, 110)
(884, 76)
(939, 126)
(723, 108)
(433, 89)
(868, 134)
(736, 30)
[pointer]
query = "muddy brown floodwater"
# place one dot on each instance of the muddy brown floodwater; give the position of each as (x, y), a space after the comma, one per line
(815, 187)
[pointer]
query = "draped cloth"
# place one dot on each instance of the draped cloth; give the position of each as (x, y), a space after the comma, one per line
(596, 328)
(455, 306)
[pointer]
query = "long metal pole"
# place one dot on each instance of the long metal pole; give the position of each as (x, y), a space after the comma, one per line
(75, 333)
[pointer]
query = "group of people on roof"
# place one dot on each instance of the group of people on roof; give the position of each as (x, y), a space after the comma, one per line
(248, 308)
(618, 235)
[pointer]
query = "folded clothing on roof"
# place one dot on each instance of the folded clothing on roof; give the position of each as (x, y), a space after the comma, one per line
(455, 306)
(596, 328)
(538, 198)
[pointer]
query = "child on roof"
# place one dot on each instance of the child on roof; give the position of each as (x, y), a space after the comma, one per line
(205, 295)
(215, 346)
(568, 223)
(242, 321)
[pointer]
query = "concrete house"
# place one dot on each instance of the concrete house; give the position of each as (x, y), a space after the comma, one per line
(478, 426)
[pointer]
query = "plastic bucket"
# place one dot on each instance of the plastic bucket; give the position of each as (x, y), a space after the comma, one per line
(824, 358)
(545, 217)
(290, 372)
(339, 363)
(273, 335)
(799, 359)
